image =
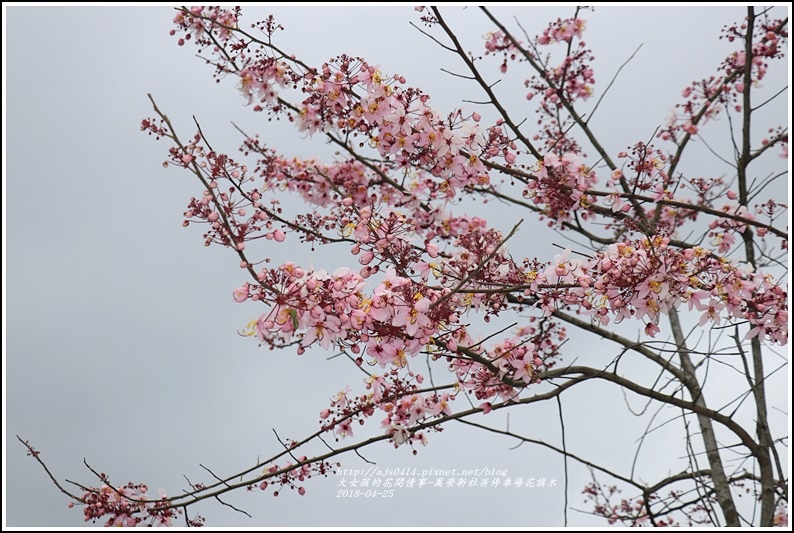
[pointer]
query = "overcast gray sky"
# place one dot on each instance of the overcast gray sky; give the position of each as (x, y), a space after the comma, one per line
(120, 341)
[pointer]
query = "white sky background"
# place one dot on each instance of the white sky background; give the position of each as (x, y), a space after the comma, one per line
(120, 341)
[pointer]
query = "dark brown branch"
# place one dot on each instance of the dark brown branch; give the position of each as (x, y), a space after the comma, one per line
(35, 454)
(592, 373)
(485, 87)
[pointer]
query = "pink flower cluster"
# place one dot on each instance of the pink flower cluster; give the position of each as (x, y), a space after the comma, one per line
(560, 187)
(258, 80)
(707, 98)
(199, 21)
(567, 82)
(633, 511)
(562, 31)
(127, 506)
(503, 370)
(323, 184)
(724, 230)
(291, 474)
(409, 410)
(498, 42)
(394, 322)
(646, 278)
(394, 393)
(356, 98)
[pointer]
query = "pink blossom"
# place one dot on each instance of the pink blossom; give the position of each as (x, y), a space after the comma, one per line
(712, 313)
(323, 331)
(399, 433)
(651, 329)
(241, 293)
(524, 368)
(344, 428)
